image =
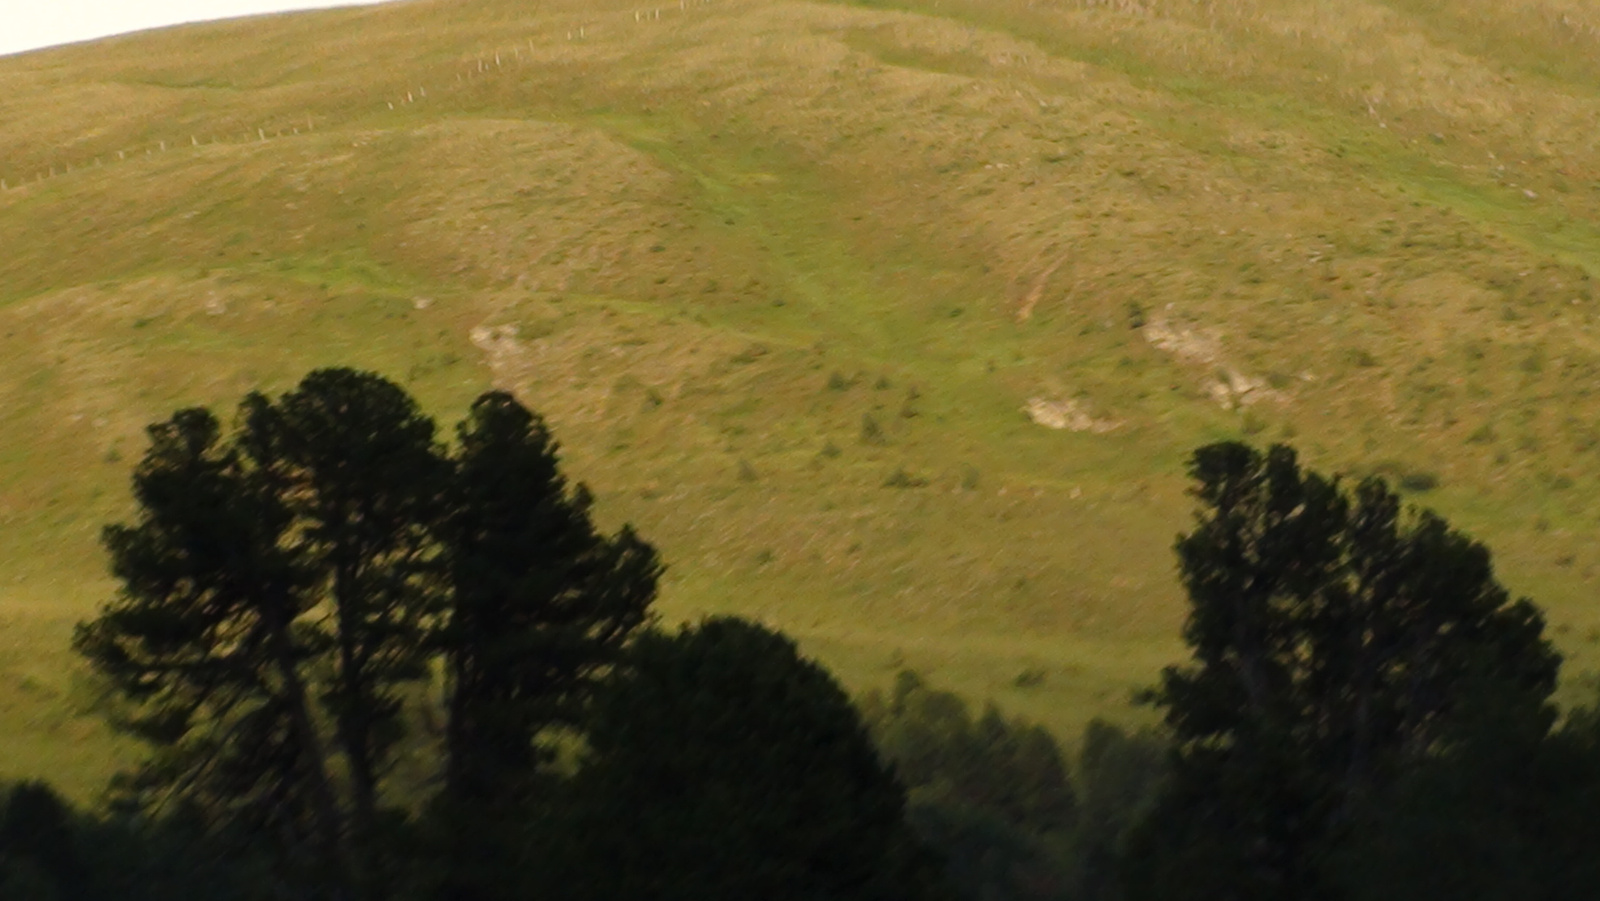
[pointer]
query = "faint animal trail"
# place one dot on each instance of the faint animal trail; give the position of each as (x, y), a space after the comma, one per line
(1025, 311)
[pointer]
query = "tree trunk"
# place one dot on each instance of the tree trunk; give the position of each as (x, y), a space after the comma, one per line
(457, 733)
(324, 804)
(354, 728)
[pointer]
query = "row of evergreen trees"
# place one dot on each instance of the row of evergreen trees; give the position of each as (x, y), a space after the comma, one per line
(290, 583)
(370, 666)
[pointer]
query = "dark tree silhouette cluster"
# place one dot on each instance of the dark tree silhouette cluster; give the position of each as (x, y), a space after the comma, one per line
(371, 665)
(304, 590)
(723, 766)
(1339, 643)
(288, 587)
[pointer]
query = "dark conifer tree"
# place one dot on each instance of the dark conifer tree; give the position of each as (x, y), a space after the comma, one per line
(201, 648)
(1336, 639)
(284, 589)
(273, 583)
(354, 459)
(542, 602)
(542, 605)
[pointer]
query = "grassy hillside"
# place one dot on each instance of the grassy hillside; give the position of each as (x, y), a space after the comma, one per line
(761, 261)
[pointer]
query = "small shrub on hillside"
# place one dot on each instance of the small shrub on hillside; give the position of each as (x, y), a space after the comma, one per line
(1419, 481)
(750, 354)
(902, 479)
(1136, 317)
(908, 409)
(1358, 356)
(1585, 439)
(969, 477)
(837, 381)
(1032, 677)
(871, 432)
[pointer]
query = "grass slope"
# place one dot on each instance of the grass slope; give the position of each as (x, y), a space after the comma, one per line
(757, 258)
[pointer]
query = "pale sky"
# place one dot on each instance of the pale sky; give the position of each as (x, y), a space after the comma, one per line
(30, 24)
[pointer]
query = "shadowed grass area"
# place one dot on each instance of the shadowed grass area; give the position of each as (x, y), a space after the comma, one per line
(785, 275)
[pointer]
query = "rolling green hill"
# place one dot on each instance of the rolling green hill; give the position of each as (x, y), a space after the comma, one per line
(890, 323)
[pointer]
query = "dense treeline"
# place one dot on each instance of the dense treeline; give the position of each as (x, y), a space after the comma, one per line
(325, 593)
(1010, 815)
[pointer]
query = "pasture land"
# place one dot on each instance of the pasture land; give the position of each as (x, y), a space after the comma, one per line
(785, 277)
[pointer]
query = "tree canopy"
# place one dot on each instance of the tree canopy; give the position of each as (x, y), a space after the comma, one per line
(741, 770)
(540, 602)
(288, 588)
(1337, 638)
